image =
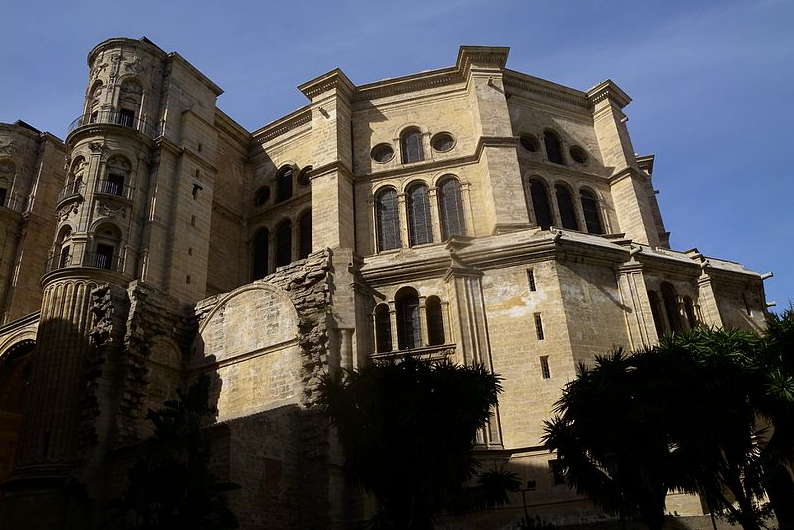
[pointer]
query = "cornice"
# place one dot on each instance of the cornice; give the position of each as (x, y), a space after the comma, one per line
(283, 125)
(333, 80)
(175, 57)
(533, 85)
(608, 90)
(493, 57)
(227, 125)
(411, 83)
(102, 130)
(20, 322)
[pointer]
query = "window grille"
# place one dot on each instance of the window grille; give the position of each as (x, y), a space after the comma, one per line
(261, 251)
(553, 147)
(388, 219)
(450, 208)
(544, 367)
(412, 146)
(531, 280)
(305, 227)
(540, 203)
(539, 326)
(284, 244)
(565, 205)
(420, 230)
(592, 219)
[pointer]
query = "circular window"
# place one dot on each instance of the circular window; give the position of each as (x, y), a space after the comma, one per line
(262, 196)
(530, 143)
(303, 176)
(442, 142)
(382, 153)
(578, 154)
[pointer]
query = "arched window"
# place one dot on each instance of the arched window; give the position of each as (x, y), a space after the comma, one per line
(670, 299)
(411, 145)
(305, 235)
(261, 253)
(284, 184)
(656, 311)
(689, 307)
(261, 196)
(420, 229)
(387, 219)
(592, 219)
(63, 253)
(92, 108)
(284, 244)
(14, 384)
(382, 329)
(565, 206)
(435, 321)
(553, 147)
(107, 239)
(450, 208)
(536, 192)
(130, 97)
(409, 328)
(116, 182)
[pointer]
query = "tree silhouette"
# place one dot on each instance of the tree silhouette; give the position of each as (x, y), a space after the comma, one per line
(170, 484)
(407, 430)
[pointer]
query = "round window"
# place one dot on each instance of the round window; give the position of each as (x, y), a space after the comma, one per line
(262, 196)
(578, 154)
(530, 143)
(442, 142)
(382, 153)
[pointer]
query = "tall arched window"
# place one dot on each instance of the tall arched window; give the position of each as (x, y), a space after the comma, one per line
(656, 312)
(450, 208)
(536, 192)
(107, 242)
(284, 184)
(117, 179)
(63, 249)
(284, 244)
(553, 147)
(92, 108)
(409, 328)
(592, 219)
(130, 97)
(305, 235)
(411, 145)
(435, 321)
(383, 341)
(670, 299)
(420, 229)
(388, 219)
(565, 206)
(689, 307)
(261, 253)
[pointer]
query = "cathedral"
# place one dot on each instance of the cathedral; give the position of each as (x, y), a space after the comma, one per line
(471, 212)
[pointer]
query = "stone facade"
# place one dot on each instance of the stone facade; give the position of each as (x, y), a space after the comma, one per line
(472, 212)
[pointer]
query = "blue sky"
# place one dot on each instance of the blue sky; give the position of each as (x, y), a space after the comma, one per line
(712, 81)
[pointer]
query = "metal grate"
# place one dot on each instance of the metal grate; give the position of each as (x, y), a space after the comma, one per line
(450, 208)
(388, 219)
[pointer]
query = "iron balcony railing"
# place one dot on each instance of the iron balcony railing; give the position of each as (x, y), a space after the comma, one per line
(96, 260)
(114, 117)
(72, 190)
(113, 187)
(14, 202)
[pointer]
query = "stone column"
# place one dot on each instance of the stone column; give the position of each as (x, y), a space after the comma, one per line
(402, 209)
(636, 306)
(435, 215)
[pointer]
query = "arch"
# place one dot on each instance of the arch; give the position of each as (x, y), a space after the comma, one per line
(62, 252)
(591, 211)
(411, 148)
(261, 253)
(283, 243)
(76, 176)
(656, 312)
(383, 340)
(565, 206)
(284, 183)
(261, 196)
(435, 321)
(129, 104)
(450, 207)
(553, 144)
(689, 309)
(537, 194)
(670, 299)
(107, 241)
(118, 169)
(409, 327)
(305, 234)
(15, 364)
(387, 219)
(420, 227)
(93, 102)
(303, 177)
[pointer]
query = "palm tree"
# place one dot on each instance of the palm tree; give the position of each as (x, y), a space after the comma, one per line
(407, 432)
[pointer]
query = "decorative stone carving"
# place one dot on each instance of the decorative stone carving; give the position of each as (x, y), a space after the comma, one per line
(66, 211)
(106, 210)
(7, 146)
(97, 69)
(7, 166)
(96, 147)
(135, 66)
